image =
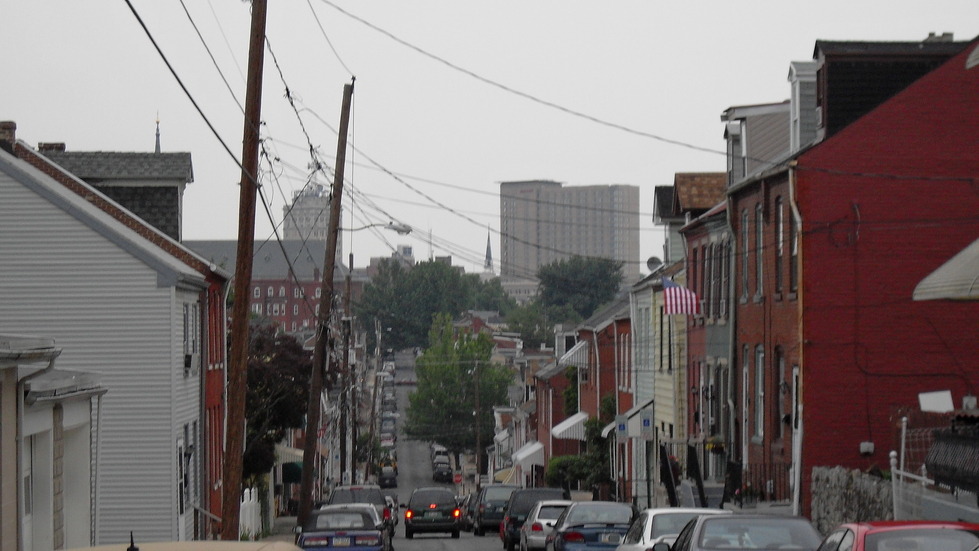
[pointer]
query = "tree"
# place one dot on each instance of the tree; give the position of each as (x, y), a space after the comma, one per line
(581, 283)
(443, 406)
(535, 322)
(278, 390)
(407, 300)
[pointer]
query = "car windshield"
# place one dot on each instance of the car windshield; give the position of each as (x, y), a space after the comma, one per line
(340, 520)
(362, 495)
(922, 539)
(758, 533)
(498, 494)
(665, 524)
(594, 513)
(550, 512)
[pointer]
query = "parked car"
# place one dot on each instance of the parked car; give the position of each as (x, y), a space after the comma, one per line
(365, 493)
(518, 505)
(661, 525)
(442, 473)
(539, 523)
(465, 519)
(902, 534)
(190, 545)
(591, 525)
(349, 526)
(388, 478)
(489, 507)
(432, 510)
(744, 531)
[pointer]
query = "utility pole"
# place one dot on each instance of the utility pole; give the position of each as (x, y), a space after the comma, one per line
(238, 364)
(355, 383)
(320, 356)
(479, 440)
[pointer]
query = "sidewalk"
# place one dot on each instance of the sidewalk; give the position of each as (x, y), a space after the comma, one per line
(282, 530)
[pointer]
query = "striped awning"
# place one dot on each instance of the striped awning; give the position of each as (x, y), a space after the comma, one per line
(531, 453)
(956, 279)
(572, 428)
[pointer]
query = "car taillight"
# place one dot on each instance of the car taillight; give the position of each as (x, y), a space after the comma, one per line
(315, 541)
(456, 513)
(365, 541)
(537, 527)
(409, 513)
(573, 537)
(482, 508)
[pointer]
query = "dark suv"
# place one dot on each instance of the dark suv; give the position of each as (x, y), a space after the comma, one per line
(489, 507)
(516, 509)
(365, 493)
(432, 510)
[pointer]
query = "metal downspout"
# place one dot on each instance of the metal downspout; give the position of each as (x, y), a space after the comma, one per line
(797, 429)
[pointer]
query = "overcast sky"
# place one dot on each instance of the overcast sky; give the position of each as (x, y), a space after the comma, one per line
(451, 96)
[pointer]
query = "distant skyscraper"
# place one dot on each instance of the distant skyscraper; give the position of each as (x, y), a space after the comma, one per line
(308, 217)
(542, 221)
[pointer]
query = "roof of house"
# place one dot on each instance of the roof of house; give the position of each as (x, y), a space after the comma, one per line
(862, 48)
(268, 260)
(94, 166)
(697, 191)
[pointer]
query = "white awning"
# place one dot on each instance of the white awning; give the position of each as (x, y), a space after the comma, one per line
(285, 454)
(501, 436)
(577, 356)
(633, 428)
(572, 428)
(531, 453)
(957, 279)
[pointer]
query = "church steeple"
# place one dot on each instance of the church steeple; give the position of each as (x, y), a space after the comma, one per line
(157, 133)
(488, 265)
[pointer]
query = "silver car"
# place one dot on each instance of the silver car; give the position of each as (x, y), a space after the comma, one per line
(540, 521)
(661, 525)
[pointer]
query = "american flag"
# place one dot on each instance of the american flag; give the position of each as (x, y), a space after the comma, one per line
(679, 299)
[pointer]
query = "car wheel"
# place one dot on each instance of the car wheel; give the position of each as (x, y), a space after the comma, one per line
(477, 530)
(455, 534)
(508, 544)
(409, 534)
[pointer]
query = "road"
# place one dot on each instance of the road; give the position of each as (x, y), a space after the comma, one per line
(415, 471)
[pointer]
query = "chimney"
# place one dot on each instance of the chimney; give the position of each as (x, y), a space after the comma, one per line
(8, 135)
(944, 37)
(57, 147)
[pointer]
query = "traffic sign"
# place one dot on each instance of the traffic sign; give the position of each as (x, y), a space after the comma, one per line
(457, 478)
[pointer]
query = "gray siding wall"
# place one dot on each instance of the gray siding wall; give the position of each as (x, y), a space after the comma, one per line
(105, 309)
(768, 139)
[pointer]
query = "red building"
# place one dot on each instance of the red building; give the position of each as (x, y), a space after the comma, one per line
(830, 343)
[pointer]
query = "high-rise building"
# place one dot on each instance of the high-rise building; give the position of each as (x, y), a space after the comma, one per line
(542, 221)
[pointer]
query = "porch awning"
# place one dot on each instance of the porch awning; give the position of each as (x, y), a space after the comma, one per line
(285, 454)
(957, 279)
(503, 476)
(577, 356)
(633, 428)
(531, 453)
(572, 428)
(501, 437)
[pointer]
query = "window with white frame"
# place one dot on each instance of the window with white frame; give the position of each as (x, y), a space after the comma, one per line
(779, 242)
(759, 391)
(257, 292)
(271, 291)
(759, 250)
(744, 253)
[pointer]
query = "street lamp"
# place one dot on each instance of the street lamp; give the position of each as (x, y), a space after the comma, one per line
(402, 229)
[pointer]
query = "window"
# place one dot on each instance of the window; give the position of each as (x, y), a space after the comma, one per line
(295, 309)
(192, 329)
(744, 254)
(271, 292)
(319, 292)
(779, 242)
(759, 250)
(759, 391)
(779, 390)
(725, 277)
(715, 280)
(257, 308)
(282, 291)
(295, 292)
(257, 292)
(794, 256)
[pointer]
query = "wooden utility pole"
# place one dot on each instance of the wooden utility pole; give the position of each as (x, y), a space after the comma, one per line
(320, 356)
(238, 364)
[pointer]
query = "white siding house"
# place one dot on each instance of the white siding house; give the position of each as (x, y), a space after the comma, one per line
(117, 304)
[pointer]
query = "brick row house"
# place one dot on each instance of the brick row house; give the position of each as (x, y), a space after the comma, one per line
(124, 300)
(808, 345)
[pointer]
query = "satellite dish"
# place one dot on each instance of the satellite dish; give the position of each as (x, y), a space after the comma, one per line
(653, 263)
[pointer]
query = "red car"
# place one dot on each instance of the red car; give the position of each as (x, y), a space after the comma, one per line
(903, 535)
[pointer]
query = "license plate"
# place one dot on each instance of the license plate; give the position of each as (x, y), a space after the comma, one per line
(341, 542)
(611, 538)
(433, 514)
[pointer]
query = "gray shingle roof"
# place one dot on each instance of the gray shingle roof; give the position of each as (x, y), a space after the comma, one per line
(109, 165)
(269, 263)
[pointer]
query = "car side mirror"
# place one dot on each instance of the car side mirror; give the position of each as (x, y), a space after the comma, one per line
(379, 526)
(661, 546)
(297, 530)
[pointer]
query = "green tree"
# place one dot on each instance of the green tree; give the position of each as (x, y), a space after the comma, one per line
(278, 391)
(443, 406)
(535, 322)
(583, 284)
